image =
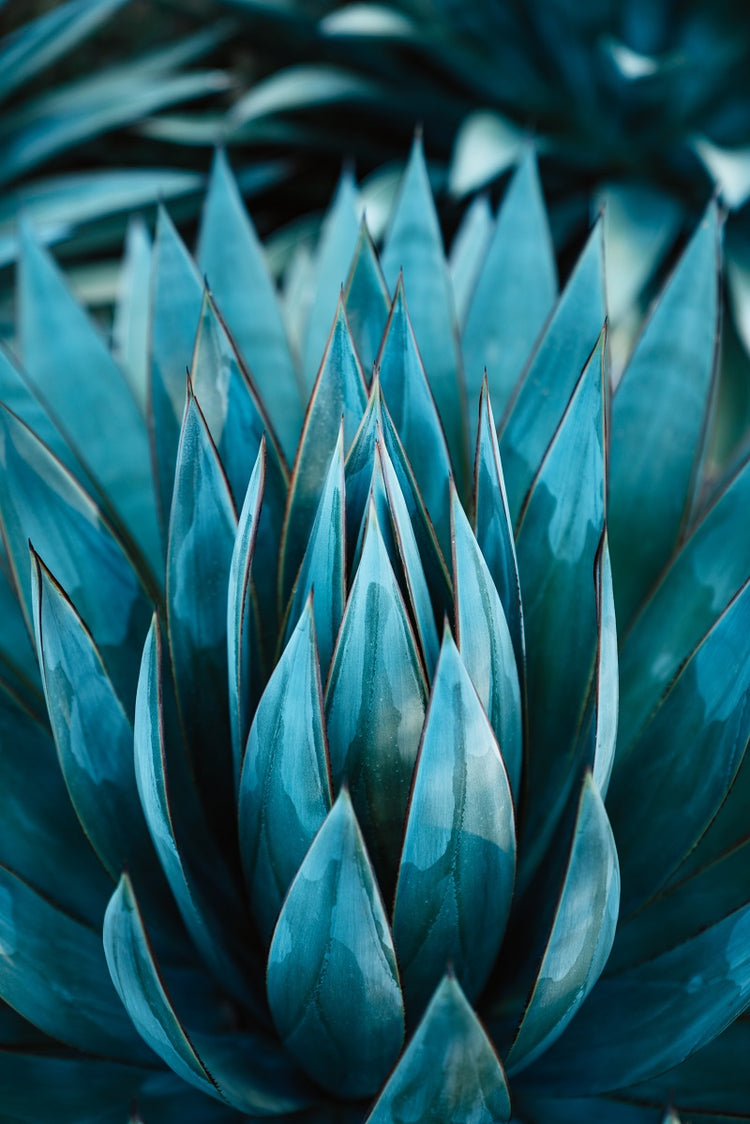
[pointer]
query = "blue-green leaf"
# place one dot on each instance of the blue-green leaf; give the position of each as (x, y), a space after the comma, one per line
(38, 43)
(72, 372)
(642, 1021)
(706, 708)
(176, 299)
(339, 391)
(323, 570)
(130, 327)
(659, 419)
(53, 972)
(375, 702)
(202, 530)
(557, 540)
(338, 241)
(40, 834)
(411, 561)
(205, 905)
(485, 644)
(493, 527)
(231, 258)
(467, 255)
(412, 408)
(42, 504)
(237, 422)
(285, 790)
(534, 410)
(367, 301)
(607, 682)
(581, 936)
(414, 247)
(239, 612)
(244, 1071)
(94, 736)
(448, 1072)
(515, 290)
(457, 867)
(17, 395)
(331, 954)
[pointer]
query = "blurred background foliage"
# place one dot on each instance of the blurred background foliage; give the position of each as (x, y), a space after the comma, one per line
(109, 105)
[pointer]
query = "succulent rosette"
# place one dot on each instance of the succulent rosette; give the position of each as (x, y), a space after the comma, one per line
(373, 727)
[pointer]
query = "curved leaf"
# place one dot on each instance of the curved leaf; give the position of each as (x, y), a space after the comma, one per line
(455, 879)
(582, 933)
(339, 392)
(705, 708)
(449, 1071)
(517, 286)
(239, 612)
(404, 385)
(231, 258)
(285, 789)
(659, 421)
(414, 248)
(53, 972)
(557, 541)
(534, 410)
(607, 681)
(88, 399)
(331, 953)
(367, 301)
(202, 530)
(130, 326)
(485, 644)
(375, 703)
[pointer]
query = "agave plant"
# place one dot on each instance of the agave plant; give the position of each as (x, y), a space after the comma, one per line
(351, 830)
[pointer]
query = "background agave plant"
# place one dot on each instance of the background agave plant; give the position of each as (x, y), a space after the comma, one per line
(333, 844)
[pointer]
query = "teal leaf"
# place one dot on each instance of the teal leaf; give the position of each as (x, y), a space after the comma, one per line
(40, 42)
(332, 966)
(88, 399)
(130, 327)
(176, 300)
(237, 422)
(40, 834)
(40, 502)
(640, 1022)
(411, 562)
(607, 681)
(285, 790)
(412, 408)
(19, 666)
(448, 1072)
(239, 612)
(455, 880)
(93, 734)
(16, 394)
(558, 537)
(659, 421)
(232, 260)
(581, 936)
(541, 395)
(203, 904)
(67, 1089)
(202, 530)
(414, 249)
(367, 301)
(140, 987)
(467, 255)
(246, 1071)
(375, 702)
(692, 593)
(53, 972)
(706, 708)
(493, 527)
(339, 392)
(485, 644)
(338, 241)
(517, 286)
(323, 569)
